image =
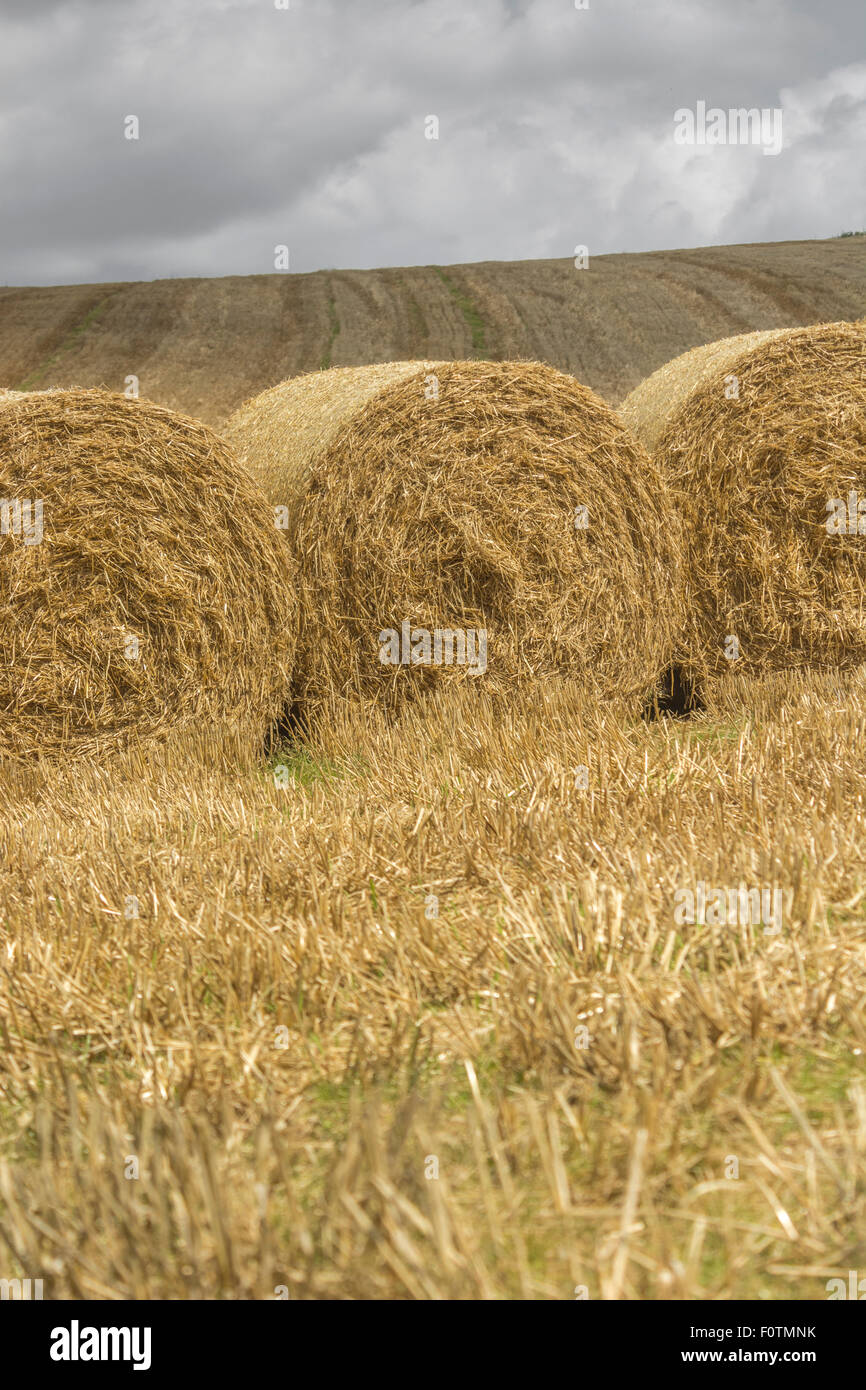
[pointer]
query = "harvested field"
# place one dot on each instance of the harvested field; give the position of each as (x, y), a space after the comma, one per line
(762, 439)
(500, 993)
(203, 346)
(502, 501)
(142, 586)
(412, 1012)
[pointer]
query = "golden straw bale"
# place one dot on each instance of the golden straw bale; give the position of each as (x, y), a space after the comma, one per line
(142, 586)
(501, 498)
(762, 439)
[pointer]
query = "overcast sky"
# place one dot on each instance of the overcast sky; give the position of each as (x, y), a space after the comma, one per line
(305, 127)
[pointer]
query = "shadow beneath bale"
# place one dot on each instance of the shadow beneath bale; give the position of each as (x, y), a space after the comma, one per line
(678, 696)
(290, 727)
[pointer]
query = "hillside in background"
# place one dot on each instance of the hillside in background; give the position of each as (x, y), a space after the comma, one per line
(203, 346)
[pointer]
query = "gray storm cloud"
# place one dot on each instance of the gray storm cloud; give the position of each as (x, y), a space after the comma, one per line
(305, 126)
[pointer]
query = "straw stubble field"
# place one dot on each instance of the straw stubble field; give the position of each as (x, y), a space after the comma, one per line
(203, 346)
(407, 1013)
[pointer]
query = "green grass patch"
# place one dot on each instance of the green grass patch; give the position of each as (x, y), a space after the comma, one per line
(474, 321)
(305, 769)
(71, 341)
(333, 331)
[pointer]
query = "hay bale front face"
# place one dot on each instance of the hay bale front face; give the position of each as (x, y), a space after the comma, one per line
(142, 587)
(757, 435)
(470, 498)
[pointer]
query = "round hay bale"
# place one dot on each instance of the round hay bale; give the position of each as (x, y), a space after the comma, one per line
(499, 502)
(142, 587)
(762, 438)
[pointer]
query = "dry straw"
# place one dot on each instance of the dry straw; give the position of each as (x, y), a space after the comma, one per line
(157, 595)
(757, 436)
(446, 495)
